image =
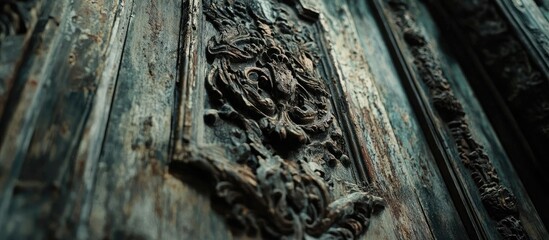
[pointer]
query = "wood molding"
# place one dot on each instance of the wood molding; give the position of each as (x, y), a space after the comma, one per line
(518, 75)
(275, 132)
(437, 103)
(508, 72)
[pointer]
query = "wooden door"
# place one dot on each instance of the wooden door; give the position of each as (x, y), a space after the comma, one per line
(245, 119)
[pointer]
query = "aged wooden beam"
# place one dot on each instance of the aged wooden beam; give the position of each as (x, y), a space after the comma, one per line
(500, 203)
(455, 185)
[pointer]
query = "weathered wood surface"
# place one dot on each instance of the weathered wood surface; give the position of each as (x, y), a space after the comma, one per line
(17, 29)
(401, 165)
(476, 161)
(482, 131)
(110, 90)
(506, 66)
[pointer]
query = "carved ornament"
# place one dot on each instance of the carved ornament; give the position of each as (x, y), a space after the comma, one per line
(266, 90)
(499, 201)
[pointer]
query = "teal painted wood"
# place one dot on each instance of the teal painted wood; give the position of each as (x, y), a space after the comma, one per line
(15, 40)
(135, 196)
(100, 103)
(33, 91)
(58, 81)
(196, 134)
(483, 131)
(423, 177)
(420, 21)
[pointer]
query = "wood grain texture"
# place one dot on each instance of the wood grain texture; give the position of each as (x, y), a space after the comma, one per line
(134, 196)
(424, 63)
(61, 80)
(108, 91)
(19, 127)
(401, 164)
(415, 156)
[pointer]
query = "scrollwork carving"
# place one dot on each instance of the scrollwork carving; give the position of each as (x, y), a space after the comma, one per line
(514, 71)
(279, 138)
(499, 202)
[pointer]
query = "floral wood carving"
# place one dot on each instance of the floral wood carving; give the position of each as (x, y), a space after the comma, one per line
(271, 108)
(499, 201)
(514, 72)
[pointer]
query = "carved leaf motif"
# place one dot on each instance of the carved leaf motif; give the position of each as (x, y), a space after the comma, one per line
(499, 202)
(264, 85)
(281, 198)
(515, 72)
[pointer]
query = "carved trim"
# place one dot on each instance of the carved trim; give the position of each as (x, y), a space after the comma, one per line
(499, 202)
(280, 199)
(276, 138)
(519, 79)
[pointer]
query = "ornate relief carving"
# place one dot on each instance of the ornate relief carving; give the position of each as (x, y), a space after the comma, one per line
(514, 72)
(271, 108)
(15, 17)
(499, 202)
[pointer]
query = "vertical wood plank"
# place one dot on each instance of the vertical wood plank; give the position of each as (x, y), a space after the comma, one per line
(67, 63)
(19, 21)
(388, 130)
(85, 149)
(481, 128)
(17, 129)
(415, 156)
(135, 196)
(76, 210)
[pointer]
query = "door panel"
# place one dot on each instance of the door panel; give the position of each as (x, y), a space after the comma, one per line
(222, 119)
